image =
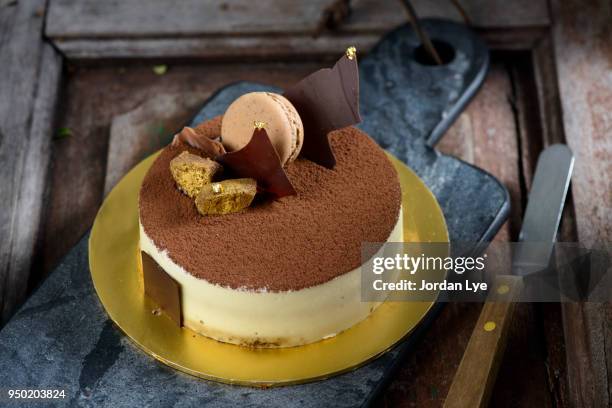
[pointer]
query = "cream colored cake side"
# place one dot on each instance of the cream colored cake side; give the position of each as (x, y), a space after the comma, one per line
(268, 319)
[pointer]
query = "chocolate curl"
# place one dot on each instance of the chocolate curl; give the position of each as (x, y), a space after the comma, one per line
(258, 160)
(327, 100)
(209, 147)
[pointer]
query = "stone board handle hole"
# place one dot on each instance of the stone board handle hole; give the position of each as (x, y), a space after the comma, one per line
(444, 49)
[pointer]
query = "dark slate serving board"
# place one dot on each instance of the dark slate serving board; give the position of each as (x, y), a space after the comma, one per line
(61, 338)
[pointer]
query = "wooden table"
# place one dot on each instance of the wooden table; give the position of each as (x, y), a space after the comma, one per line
(70, 67)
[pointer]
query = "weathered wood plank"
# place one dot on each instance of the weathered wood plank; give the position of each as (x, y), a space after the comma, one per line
(584, 67)
(257, 47)
(581, 38)
(38, 160)
(28, 95)
(215, 48)
(549, 102)
(527, 105)
(274, 28)
(167, 18)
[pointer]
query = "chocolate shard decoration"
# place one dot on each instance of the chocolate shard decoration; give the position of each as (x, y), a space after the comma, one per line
(161, 288)
(210, 148)
(258, 160)
(327, 100)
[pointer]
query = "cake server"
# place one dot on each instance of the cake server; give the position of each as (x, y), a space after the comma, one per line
(477, 371)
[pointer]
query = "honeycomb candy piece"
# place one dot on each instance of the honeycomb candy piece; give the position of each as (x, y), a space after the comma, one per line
(191, 172)
(226, 197)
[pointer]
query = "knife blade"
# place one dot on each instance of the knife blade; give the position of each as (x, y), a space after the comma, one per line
(544, 207)
(475, 377)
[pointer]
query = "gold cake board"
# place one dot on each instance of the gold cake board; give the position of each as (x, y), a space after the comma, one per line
(113, 262)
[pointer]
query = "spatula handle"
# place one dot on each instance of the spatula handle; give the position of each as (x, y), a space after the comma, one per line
(476, 374)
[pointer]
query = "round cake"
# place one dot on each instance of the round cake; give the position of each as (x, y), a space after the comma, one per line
(285, 271)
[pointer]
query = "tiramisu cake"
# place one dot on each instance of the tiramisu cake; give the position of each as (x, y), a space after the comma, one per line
(251, 224)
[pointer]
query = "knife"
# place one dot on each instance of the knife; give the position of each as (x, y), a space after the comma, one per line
(475, 377)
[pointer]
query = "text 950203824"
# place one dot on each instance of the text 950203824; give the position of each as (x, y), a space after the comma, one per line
(30, 394)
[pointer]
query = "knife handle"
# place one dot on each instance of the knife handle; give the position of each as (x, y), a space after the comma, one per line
(475, 377)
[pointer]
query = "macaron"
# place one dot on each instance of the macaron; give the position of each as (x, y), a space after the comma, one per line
(280, 119)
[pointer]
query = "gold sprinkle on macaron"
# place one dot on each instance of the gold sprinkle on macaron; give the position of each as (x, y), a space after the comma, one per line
(351, 53)
(217, 188)
(489, 326)
(259, 125)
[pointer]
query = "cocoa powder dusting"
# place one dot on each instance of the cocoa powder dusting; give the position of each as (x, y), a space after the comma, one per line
(288, 244)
